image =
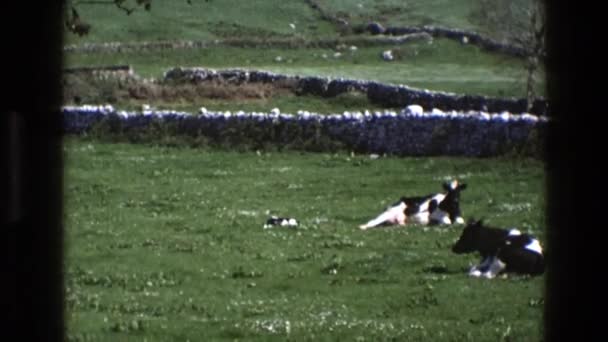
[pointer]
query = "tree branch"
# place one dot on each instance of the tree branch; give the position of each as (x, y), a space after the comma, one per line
(80, 27)
(117, 3)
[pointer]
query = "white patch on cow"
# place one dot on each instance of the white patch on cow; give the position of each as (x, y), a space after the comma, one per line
(534, 246)
(474, 272)
(393, 215)
(425, 205)
(495, 267)
(422, 217)
(459, 220)
(291, 222)
(441, 216)
(439, 197)
(514, 232)
(284, 222)
(454, 184)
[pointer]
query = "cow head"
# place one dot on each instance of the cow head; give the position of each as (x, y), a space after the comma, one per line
(451, 202)
(468, 241)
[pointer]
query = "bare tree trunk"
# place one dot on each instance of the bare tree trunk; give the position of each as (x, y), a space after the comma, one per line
(537, 49)
(530, 92)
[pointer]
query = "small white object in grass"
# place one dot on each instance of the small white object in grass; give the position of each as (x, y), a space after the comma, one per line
(280, 221)
(388, 55)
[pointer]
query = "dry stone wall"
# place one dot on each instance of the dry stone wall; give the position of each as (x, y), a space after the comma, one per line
(403, 133)
(385, 95)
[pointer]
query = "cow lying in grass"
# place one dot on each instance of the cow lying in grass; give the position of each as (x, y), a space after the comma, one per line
(502, 250)
(441, 208)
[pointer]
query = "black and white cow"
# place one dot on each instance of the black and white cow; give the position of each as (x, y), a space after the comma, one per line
(440, 208)
(502, 250)
(280, 221)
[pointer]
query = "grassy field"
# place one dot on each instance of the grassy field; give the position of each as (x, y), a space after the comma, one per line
(443, 65)
(167, 244)
(171, 20)
(215, 19)
(466, 69)
(422, 66)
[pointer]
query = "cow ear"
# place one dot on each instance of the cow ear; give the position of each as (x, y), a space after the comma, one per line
(447, 186)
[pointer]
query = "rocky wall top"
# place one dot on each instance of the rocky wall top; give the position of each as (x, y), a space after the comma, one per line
(386, 95)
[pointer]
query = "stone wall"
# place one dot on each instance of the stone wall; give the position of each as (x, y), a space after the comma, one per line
(474, 134)
(385, 95)
(465, 37)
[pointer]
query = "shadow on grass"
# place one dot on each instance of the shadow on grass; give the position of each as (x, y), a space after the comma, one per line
(440, 269)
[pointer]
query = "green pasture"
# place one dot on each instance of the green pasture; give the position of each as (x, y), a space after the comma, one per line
(442, 65)
(220, 19)
(202, 20)
(439, 65)
(167, 244)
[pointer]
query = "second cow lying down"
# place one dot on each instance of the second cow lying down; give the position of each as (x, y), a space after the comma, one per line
(502, 250)
(440, 208)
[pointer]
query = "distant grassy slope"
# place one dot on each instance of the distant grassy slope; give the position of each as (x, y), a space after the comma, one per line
(176, 20)
(443, 65)
(449, 13)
